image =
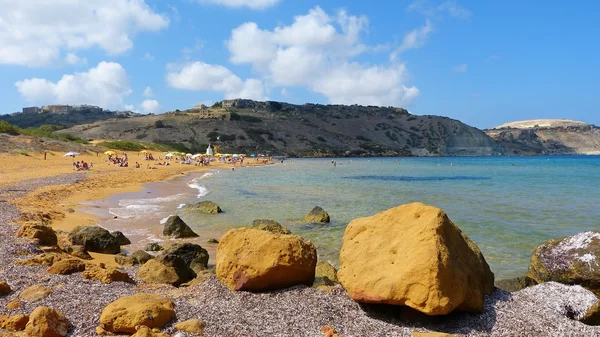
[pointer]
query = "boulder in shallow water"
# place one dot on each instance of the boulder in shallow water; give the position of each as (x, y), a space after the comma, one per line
(121, 238)
(44, 234)
(413, 255)
(317, 215)
(206, 206)
(270, 226)
(257, 260)
(325, 269)
(570, 260)
(153, 247)
(95, 239)
(177, 228)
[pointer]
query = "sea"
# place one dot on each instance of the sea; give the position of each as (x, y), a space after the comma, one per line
(506, 205)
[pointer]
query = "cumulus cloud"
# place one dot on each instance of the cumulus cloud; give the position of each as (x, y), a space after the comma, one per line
(75, 60)
(106, 85)
(150, 106)
(317, 51)
(39, 32)
(254, 4)
(200, 76)
(148, 92)
(461, 68)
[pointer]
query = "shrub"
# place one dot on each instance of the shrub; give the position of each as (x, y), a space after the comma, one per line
(8, 128)
(322, 139)
(159, 124)
(363, 138)
(124, 145)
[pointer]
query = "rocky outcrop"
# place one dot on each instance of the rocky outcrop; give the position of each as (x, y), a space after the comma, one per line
(256, 260)
(44, 234)
(124, 314)
(413, 255)
(194, 326)
(569, 260)
(177, 228)
(317, 215)
(66, 267)
(35, 293)
(95, 239)
(44, 259)
(270, 226)
(46, 322)
(206, 206)
(4, 288)
(121, 238)
(139, 257)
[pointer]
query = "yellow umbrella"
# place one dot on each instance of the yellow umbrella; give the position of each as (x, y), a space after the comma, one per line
(110, 153)
(144, 151)
(218, 154)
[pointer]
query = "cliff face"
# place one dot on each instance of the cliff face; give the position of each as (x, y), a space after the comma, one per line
(308, 130)
(547, 137)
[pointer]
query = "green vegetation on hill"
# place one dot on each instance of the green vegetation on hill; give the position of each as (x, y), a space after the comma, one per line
(41, 131)
(129, 145)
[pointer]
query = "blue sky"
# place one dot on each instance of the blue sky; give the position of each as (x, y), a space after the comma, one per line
(482, 62)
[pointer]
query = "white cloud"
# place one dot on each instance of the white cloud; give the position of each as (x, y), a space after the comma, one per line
(148, 92)
(150, 106)
(106, 85)
(254, 4)
(285, 93)
(448, 7)
(200, 76)
(148, 57)
(38, 32)
(317, 51)
(414, 39)
(461, 68)
(75, 60)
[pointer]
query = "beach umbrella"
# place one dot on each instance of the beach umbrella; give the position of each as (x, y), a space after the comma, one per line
(188, 154)
(169, 155)
(196, 155)
(71, 154)
(144, 151)
(110, 153)
(253, 155)
(235, 155)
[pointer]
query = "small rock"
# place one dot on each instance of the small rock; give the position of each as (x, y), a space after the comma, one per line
(515, 284)
(101, 332)
(45, 259)
(4, 288)
(191, 325)
(95, 239)
(212, 240)
(206, 206)
(328, 331)
(66, 267)
(121, 238)
(270, 226)
(78, 251)
(35, 293)
(128, 312)
(194, 256)
(46, 322)
(144, 331)
(14, 304)
(153, 247)
(14, 323)
(105, 274)
(325, 269)
(317, 215)
(139, 257)
(177, 228)
(44, 234)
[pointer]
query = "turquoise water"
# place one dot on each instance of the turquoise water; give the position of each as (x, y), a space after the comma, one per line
(506, 210)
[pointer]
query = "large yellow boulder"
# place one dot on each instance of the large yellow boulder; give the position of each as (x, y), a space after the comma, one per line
(124, 314)
(257, 260)
(413, 255)
(46, 322)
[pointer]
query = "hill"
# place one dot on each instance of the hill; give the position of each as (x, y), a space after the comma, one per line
(75, 117)
(547, 136)
(309, 130)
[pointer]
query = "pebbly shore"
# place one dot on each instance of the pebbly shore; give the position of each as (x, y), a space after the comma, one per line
(543, 310)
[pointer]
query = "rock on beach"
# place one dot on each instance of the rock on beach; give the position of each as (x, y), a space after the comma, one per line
(177, 228)
(317, 215)
(205, 206)
(257, 260)
(270, 226)
(124, 314)
(569, 260)
(413, 255)
(44, 234)
(46, 322)
(95, 239)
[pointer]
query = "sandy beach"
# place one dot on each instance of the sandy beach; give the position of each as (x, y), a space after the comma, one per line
(33, 189)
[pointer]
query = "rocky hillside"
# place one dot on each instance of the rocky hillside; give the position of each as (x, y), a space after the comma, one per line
(83, 116)
(547, 136)
(309, 130)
